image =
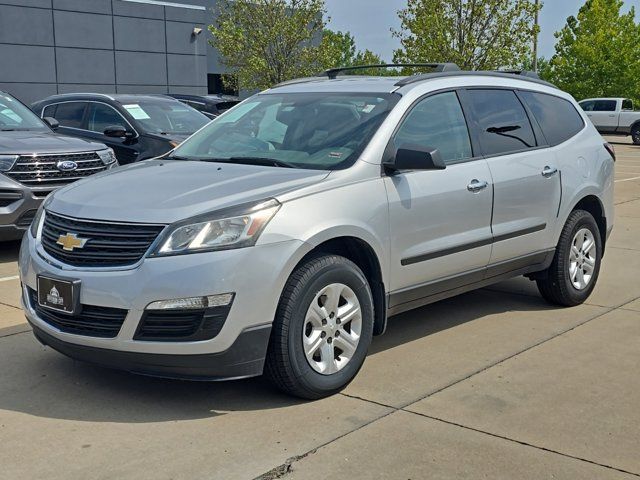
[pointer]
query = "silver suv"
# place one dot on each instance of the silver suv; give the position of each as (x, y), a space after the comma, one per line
(35, 160)
(280, 237)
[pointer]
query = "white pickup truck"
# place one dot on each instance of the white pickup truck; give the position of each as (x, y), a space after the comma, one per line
(613, 116)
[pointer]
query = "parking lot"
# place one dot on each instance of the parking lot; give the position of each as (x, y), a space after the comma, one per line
(492, 384)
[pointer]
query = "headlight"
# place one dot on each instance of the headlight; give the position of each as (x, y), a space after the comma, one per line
(237, 228)
(107, 156)
(37, 220)
(7, 161)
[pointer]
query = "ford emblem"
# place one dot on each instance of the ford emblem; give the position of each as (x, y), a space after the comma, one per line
(66, 166)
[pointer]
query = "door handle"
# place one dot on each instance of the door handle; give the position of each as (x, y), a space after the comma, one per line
(549, 171)
(612, 116)
(477, 186)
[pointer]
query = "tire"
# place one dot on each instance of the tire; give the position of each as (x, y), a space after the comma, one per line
(297, 329)
(563, 283)
(635, 134)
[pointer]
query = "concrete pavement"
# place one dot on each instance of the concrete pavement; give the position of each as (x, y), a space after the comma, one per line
(494, 384)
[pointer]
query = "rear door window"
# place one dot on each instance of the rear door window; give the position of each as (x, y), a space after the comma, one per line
(588, 105)
(557, 117)
(605, 106)
(71, 114)
(502, 120)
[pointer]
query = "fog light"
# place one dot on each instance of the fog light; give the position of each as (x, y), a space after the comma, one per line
(193, 303)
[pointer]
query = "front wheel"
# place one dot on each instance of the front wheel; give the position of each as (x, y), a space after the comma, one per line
(635, 134)
(323, 328)
(574, 271)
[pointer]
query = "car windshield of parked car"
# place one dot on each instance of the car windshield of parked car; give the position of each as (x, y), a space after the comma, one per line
(165, 117)
(303, 130)
(15, 116)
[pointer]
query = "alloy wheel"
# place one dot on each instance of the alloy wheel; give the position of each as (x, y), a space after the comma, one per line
(582, 260)
(332, 328)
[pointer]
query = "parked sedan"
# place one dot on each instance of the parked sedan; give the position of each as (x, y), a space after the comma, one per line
(210, 105)
(137, 127)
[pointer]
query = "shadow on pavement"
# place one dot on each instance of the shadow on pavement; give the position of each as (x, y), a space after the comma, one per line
(9, 251)
(450, 313)
(39, 381)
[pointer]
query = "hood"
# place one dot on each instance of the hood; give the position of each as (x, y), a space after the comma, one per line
(166, 191)
(28, 143)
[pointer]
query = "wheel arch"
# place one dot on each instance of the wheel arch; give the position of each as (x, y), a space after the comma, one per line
(362, 253)
(593, 205)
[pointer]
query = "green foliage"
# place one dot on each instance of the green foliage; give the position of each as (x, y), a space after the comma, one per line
(543, 70)
(475, 34)
(265, 42)
(597, 53)
(338, 49)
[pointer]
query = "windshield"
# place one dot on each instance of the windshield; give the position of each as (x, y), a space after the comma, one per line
(166, 117)
(323, 131)
(15, 116)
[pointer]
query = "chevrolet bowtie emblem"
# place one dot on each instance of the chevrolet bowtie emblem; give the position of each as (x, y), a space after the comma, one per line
(70, 241)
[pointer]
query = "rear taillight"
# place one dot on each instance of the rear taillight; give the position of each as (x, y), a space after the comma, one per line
(611, 150)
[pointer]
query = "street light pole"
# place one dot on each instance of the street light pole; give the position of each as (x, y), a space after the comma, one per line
(535, 37)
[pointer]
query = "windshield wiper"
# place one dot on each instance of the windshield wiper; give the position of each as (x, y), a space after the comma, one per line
(178, 157)
(263, 161)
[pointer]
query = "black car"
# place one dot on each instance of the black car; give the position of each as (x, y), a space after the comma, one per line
(137, 127)
(210, 105)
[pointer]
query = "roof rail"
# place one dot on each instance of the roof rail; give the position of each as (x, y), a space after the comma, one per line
(80, 94)
(333, 73)
(524, 75)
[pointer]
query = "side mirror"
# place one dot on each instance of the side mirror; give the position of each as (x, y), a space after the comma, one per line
(52, 122)
(118, 131)
(416, 157)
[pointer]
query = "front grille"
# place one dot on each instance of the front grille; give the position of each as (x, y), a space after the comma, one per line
(37, 170)
(182, 325)
(108, 244)
(91, 321)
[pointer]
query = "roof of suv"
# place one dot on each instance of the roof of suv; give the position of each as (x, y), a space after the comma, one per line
(115, 97)
(377, 84)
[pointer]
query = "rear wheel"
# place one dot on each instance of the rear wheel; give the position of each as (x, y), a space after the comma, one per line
(323, 328)
(574, 271)
(635, 134)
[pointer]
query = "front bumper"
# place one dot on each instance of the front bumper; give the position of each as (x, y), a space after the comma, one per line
(18, 203)
(245, 358)
(256, 275)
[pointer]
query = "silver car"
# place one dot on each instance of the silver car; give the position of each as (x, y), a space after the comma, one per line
(280, 237)
(35, 160)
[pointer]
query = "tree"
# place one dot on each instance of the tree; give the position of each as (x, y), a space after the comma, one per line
(338, 49)
(265, 42)
(597, 52)
(475, 34)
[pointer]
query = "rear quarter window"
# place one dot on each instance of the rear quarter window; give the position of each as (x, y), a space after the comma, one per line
(557, 117)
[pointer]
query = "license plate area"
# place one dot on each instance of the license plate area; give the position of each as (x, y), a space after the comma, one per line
(59, 294)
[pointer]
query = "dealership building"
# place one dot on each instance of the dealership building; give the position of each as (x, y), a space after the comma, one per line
(107, 46)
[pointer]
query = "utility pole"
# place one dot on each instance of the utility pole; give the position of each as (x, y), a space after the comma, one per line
(535, 37)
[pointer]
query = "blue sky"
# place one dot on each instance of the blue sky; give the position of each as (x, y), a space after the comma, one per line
(370, 21)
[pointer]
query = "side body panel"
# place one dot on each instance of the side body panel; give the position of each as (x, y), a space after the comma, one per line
(438, 227)
(526, 203)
